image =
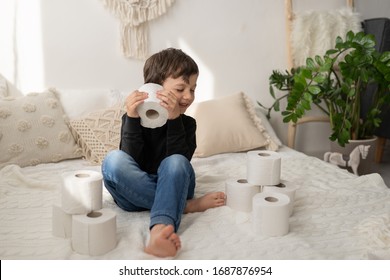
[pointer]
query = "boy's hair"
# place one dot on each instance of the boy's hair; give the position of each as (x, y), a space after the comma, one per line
(169, 63)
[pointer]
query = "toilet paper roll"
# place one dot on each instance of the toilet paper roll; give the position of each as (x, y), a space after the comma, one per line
(285, 187)
(94, 234)
(239, 194)
(263, 167)
(152, 114)
(82, 191)
(61, 222)
(270, 216)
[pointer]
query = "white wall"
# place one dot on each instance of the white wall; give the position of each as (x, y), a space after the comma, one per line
(74, 44)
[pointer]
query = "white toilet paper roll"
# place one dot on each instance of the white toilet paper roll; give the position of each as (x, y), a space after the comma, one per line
(239, 194)
(82, 191)
(285, 187)
(270, 215)
(61, 222)
(152, 114)
(94, 233)
(263, 167)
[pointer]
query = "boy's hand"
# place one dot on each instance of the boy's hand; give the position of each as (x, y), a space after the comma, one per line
(132, 102)
(169, 102)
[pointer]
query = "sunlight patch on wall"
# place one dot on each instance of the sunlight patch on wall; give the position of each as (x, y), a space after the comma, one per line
(205, 84)
(28, 44)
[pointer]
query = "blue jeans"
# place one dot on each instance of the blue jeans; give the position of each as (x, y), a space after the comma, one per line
(165, 194)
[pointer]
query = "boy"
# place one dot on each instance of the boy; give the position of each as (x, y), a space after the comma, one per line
(152, 169)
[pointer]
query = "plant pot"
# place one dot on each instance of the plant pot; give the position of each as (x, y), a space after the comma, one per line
(366, 165)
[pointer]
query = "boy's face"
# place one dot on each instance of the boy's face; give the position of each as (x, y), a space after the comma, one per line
(184, 92)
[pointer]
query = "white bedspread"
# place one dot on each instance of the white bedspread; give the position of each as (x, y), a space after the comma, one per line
(336, 215)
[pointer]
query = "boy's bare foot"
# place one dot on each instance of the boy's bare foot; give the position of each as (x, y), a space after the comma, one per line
(209, 200)
(164, 242)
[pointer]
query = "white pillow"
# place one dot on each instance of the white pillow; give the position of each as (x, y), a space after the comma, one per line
(33, 130)
(229, 124)
(77, 103)
(267, 125)
(8, 89)
(3, 87)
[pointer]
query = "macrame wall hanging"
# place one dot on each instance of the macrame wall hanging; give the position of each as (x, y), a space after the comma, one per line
(134, 16)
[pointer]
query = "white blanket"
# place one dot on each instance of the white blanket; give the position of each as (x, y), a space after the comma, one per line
(336, 215)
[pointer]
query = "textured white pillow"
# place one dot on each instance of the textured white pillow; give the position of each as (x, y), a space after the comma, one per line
(229, 124)
(34, 130)
(98, 132)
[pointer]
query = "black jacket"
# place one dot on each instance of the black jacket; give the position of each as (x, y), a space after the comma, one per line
(149, 146)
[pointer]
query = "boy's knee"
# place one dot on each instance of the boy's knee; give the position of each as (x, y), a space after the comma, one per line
(113, 162)
(178, 160)
(176, 163)
(113, 157)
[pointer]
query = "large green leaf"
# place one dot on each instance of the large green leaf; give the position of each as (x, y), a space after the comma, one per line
(310, 63)
(385, 57)
(314, 89)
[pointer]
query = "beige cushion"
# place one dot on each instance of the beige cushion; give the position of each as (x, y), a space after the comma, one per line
(98, 132)
(229, 124)
(34, 129)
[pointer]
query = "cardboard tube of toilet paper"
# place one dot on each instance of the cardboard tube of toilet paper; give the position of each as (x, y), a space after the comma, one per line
(239, 194)
(152, 114)
(270, 215)
(285, 187)
(61, 222)
(82, 191)
(263, 167)
(94, 234)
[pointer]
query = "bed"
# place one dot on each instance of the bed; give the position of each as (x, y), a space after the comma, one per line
(337, 215)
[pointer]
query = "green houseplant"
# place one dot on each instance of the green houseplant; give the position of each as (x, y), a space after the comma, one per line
(334, 83)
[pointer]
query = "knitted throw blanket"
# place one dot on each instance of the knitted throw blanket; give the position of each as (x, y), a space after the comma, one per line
(314, 32)
(134, 16)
